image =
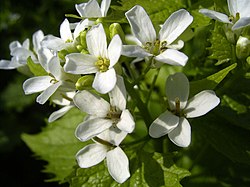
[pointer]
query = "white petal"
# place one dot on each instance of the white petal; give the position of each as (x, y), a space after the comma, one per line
(89, 10)
(65, 31)
(22, 53)
(177, 86)
(91, 104)
(215, 15)
(141, 24)
(104, 82)
(14, 45)
(175, 25)
(91, 128)
(113, 135)
(243, 7)
(118, 95)
(118, 165)
(114, 50)
(59, 113)
(82, 25)
(162, 125)
(54, 43)
(91, 155)
(172, 57)
(134, 51)
(233, 7)
(201, 103)
(78, 63)
(181, 135)
(36, 84)
(45, 95)
(44, 56)
(104, 7)
(7, 64)
(26, 44)
(179, 45)
(96, 41)
(242, 22)
(126, 122)
(55, 68)
(36, 39)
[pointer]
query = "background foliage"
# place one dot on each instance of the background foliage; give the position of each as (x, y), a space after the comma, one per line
(220, 151)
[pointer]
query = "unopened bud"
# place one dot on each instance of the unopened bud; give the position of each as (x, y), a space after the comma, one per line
(85, 82)
(242, 47)
(116, 28)
(83, 39)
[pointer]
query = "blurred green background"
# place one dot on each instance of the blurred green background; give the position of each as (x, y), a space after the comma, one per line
(19, 19)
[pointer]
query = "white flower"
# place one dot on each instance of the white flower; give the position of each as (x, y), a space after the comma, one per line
(239, 14)
(174, 122)
(107, 146)
(47, 84)
(92, 9)
(20, 52)
(102, 115)
(161, 46)
(67, 37)
(100, 60)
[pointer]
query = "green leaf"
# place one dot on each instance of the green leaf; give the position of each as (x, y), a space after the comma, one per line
(211, 81)
(234, 105)
(221, 49)
(199, 19)
(158, 11)
(231, 141)
(57, 145)
(36, 69)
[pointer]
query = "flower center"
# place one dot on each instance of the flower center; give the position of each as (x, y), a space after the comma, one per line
(102, 64)
(155, 48)
(114, 115)
(233, 19)
(53, 80)
(177, 111)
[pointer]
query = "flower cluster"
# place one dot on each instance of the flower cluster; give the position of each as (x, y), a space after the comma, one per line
(83, 68)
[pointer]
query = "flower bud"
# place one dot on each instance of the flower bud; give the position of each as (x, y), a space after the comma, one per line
(116, 28)
(83, 39)
(84, 82)
(242, 47)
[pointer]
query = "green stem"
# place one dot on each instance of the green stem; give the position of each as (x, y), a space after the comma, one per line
(142, 76)
(152, 86)
(139, 103)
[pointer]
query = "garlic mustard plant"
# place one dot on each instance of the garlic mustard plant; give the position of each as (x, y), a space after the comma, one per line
(115, 122)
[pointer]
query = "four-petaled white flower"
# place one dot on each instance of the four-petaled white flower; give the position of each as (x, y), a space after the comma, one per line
(20, 52)
(102, 115)
(100, 60)
(92, 9)
(107, 146)
(239, 14)
(46, 84)
(174, 122)
(161, 47)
